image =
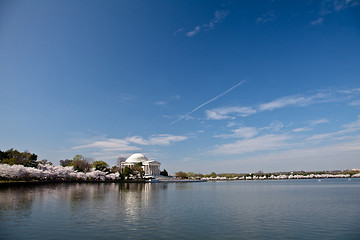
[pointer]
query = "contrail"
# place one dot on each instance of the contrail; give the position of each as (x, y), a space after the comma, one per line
(205, 103)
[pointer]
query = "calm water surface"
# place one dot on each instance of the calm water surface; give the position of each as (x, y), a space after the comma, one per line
(292, 209)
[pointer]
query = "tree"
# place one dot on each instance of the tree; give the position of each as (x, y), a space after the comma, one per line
(213, 175)
(45, 161)
(81, 164)
(120, 159)
(138, 169)
(190, 175)
(127, 172)
(3, 155)
(25, 158)
(101, 166)
(164, 173)
(115, 169)
(198, 175)
(181, 174)
(66, 162)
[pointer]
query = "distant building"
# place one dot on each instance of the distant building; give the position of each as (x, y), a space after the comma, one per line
(150, 167)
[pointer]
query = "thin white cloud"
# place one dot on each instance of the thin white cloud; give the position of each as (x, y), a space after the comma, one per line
(347, 128)
(286, 147)
(125, 97)
(168, 100)
(160, 139)
(218, 17)
(333, 6)
(318, 121)
(137, 140)
(186, 159)
(242, 132)
(354, 126)
(287, 101)
(304, 129)
(317, 21)
(194, 32)
(160, 103)
(245, 132)
(275, 126)
(300, 100)
(349, 91)
(312, 123)
(355, 103)
(178, 31)
(211, 100)
(267, 17)
(261, 143)
(111, 144)
(175, 97)
(228, 112)
(340, 5)
(344, 154)
(231, 124)
(127, 144)
(165, 139)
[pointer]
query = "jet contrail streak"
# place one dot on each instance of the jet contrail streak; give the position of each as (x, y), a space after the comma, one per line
(205, 103)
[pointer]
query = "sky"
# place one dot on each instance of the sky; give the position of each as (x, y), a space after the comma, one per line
(201, 86)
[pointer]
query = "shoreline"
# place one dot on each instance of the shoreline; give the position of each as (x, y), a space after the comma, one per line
(19, 183)
(25, 183)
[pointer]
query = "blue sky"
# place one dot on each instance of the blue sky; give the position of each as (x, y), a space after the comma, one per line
(224, 86)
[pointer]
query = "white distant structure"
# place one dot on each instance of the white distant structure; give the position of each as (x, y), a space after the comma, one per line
(151, 167)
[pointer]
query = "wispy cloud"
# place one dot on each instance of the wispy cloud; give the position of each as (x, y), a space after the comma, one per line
(137, 140)
(344, 154)
(311, 125)
(111, 144)
(330, 6)
(207, 102)
(292, 100)
(113, 147)
(175, 97)
(260, 143)
(178, 31)
(229, 112)
(355, 103)
(125, 97)
(161, 103)
(168, 100)
(257, 146)
(242, 132)
(247, 132)
(300, 100)
(333, 6)
(318, 121)
(317, 21)
(219, 15)
(303, 129)
(194, 32)
(347, 128)
(267, 17)
(161, 139)
(339, 5)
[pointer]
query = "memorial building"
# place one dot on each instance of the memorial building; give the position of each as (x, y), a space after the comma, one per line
(150, 167)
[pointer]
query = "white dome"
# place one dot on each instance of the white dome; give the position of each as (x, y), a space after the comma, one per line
(136, 158)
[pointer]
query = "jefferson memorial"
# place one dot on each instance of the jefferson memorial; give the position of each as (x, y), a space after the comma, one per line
(150, 167)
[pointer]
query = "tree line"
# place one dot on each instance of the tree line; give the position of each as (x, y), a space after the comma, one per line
(79, 163)
(13, 156)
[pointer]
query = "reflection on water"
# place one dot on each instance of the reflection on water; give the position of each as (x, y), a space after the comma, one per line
(16, 203)
(214, 210)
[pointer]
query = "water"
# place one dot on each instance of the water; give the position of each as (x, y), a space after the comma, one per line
(292, 209)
